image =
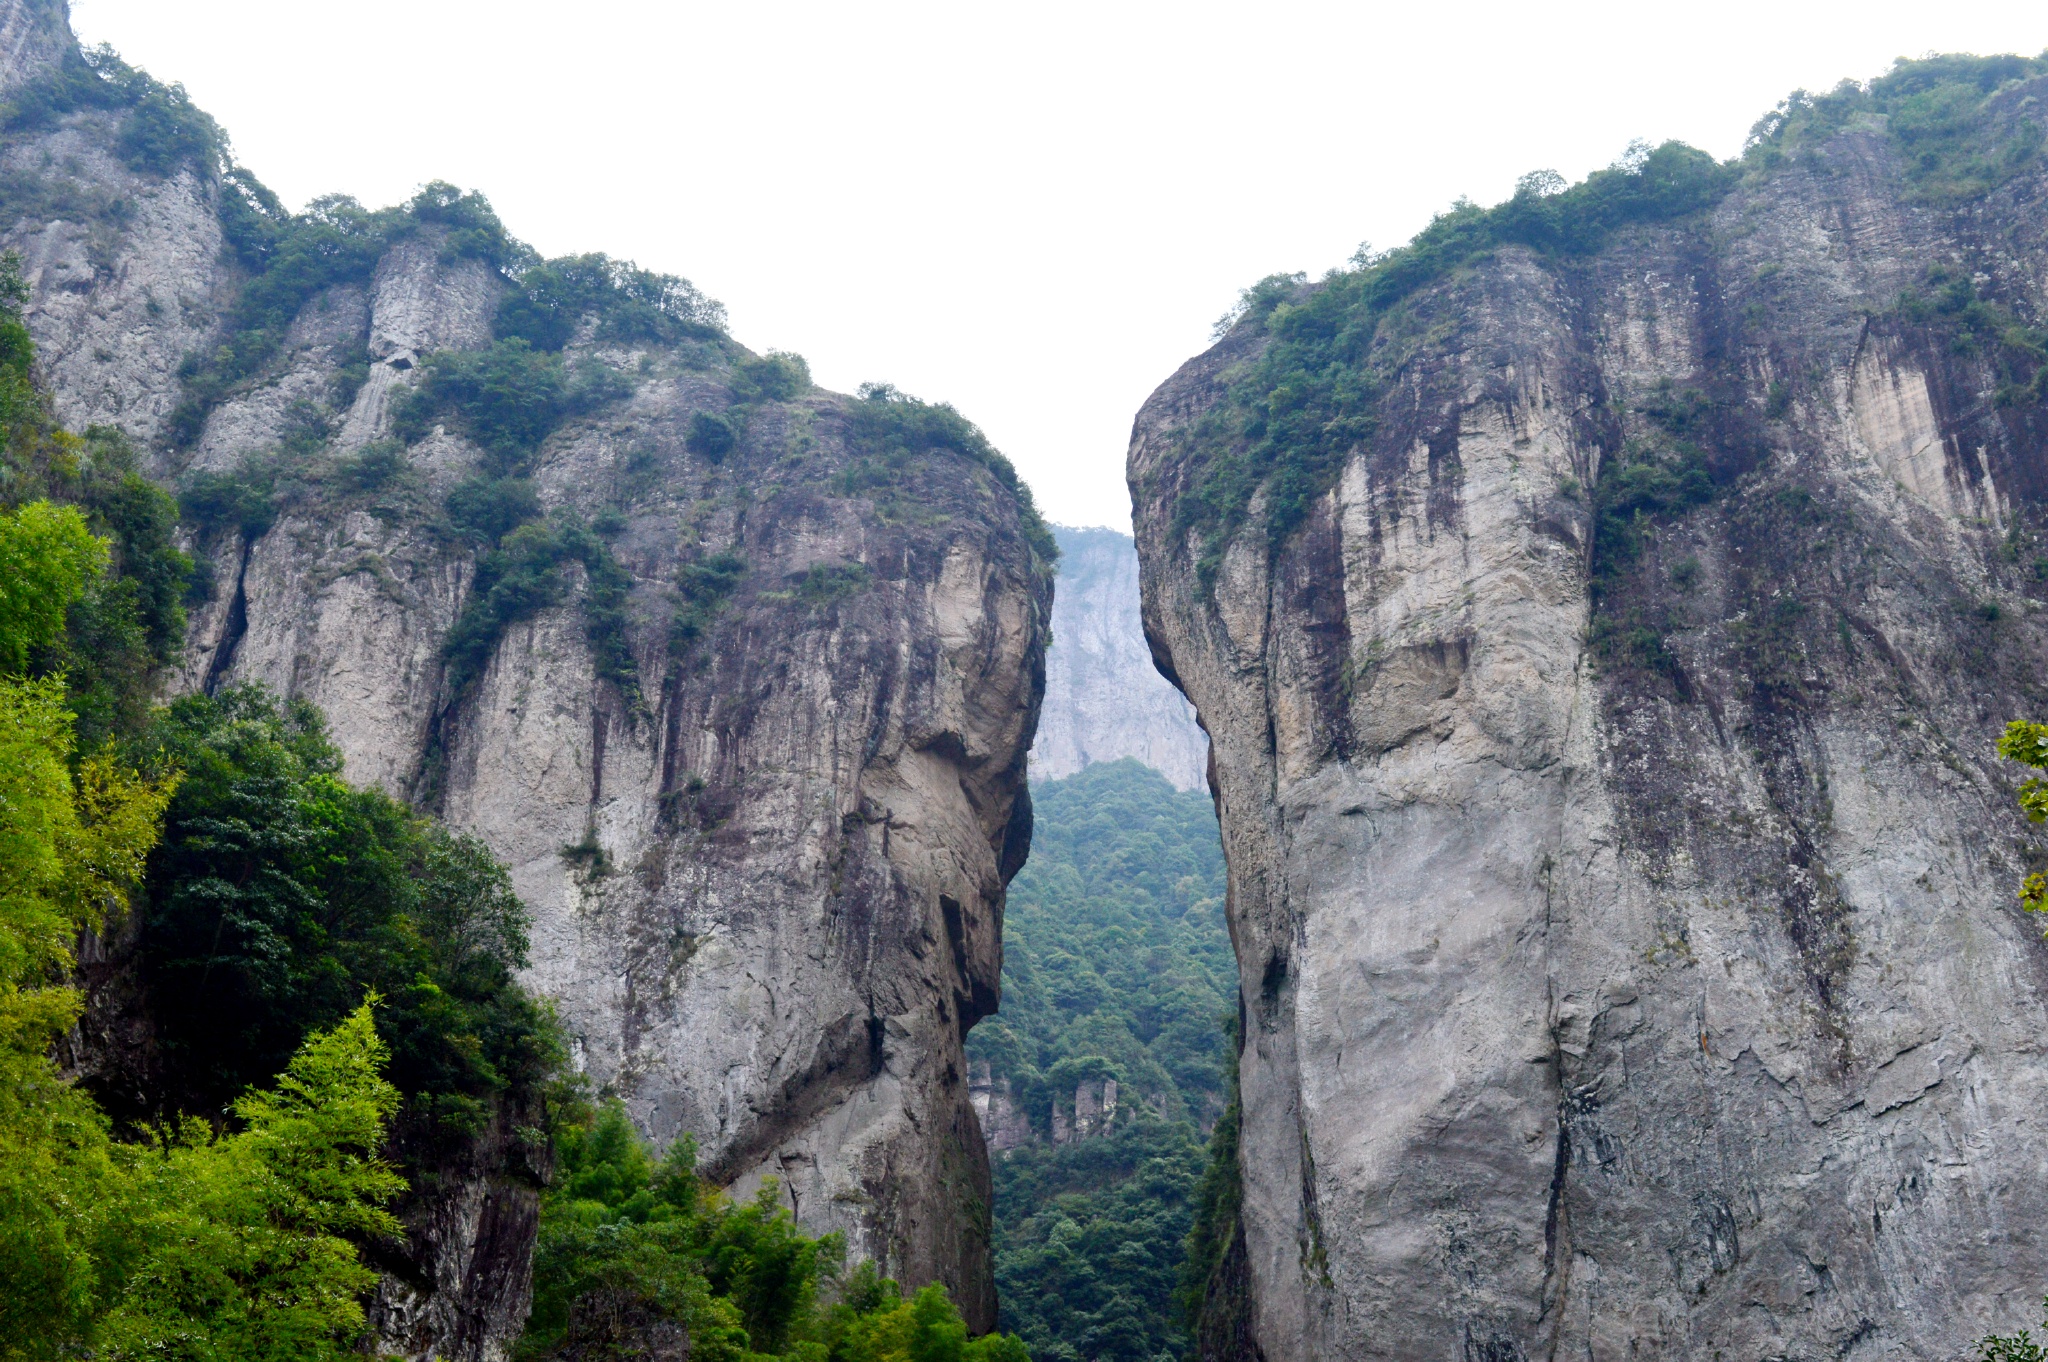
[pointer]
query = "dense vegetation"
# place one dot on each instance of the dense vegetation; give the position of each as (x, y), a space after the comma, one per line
(637, 1254)
(1308, 394)
(1116, 964)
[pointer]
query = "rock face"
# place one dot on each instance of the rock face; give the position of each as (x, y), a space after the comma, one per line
(1629, 958)
(764, 825)
(1104, 700)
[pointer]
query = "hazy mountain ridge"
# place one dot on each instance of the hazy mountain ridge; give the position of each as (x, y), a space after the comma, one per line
(1103, 697)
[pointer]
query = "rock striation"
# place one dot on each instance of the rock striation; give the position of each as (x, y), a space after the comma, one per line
(1104, 700)
(756, 758)
(1624, 900)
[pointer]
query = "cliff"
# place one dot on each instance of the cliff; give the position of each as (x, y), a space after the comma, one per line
(1603, 613)
(738, 676)
(1103, 697)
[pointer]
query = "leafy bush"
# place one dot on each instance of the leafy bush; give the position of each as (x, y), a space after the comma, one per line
(1948, 303)
(508, 398)
(279, 894)
(777, 376)
(487, 509)
(2020, 1347)
(628, 303)
(701, 590)
(634, 1250)
(711, 436)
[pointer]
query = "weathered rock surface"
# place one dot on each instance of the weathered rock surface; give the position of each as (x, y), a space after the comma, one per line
(766, 869)
(1641, 976)
(1104, 700)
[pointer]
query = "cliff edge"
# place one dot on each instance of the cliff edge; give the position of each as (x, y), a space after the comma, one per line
(737, 675)
(1603, 611)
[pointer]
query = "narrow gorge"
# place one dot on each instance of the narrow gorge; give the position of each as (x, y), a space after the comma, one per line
(1604, 611)
(510, 798)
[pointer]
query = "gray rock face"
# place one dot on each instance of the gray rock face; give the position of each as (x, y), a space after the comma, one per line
(34, 35)
(1104, 700)
(765, 855)
(1630, 963)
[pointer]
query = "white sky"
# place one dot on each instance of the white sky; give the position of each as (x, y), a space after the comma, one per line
(1032, 211)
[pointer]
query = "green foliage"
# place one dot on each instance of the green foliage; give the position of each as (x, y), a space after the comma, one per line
(280, 894)
(711, 436)
(1307, 398)
(627, 303)
(47, 558)
(1217, 1199)
(246, 1238)
(1649, 479)
(1957, 140)
(508, 398)
(1975, 326)
(197, 1244)
(824, 585)
(890, 430)
(777, 376)
(525, 575)
(2027, 743)
(244, 501)
(160, 132)
(487, 509)
(292, 258)
(1116, 963)
(632, 1246)
(2020, 1347)
(1114, 943)
(1090, 1241)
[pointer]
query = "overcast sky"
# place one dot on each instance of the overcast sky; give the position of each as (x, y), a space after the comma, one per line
(1033, 211)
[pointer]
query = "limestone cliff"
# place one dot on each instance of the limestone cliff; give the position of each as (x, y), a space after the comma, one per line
(1621, 874)
(752, 740)
(1103, 698)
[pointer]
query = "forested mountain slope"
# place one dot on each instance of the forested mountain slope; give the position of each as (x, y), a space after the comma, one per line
(1107, 1062)
(735, 675)
(1603, 610)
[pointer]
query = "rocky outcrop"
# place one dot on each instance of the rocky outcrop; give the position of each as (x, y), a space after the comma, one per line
(762, 787)
(1630, 963)
(1104, 700)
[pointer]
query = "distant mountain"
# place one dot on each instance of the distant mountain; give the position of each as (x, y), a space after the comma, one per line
(1103, 698)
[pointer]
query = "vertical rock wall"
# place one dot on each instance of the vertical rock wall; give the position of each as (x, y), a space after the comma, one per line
(1630, 966)
(766, 870)
(1104, 700)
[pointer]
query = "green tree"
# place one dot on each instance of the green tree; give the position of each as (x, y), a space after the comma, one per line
(634, 1248)
(248, 1238)
(280, 894)
(2027, 743)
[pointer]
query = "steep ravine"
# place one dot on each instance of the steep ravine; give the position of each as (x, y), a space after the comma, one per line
(762, 793)
(1622, 879)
